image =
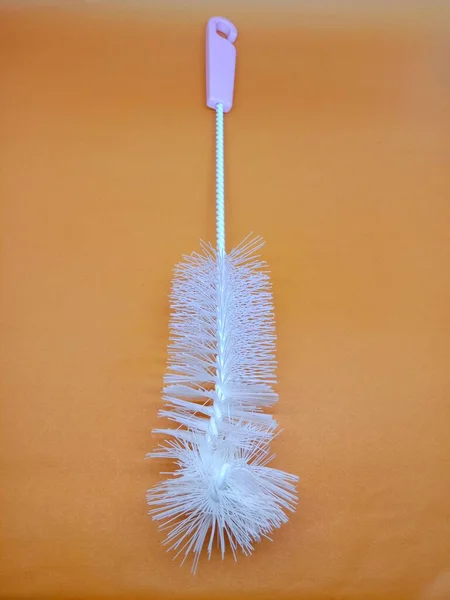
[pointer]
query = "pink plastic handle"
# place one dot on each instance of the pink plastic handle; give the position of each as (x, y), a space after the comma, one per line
(220, 62)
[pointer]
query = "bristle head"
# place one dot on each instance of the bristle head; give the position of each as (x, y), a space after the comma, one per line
(219, 385)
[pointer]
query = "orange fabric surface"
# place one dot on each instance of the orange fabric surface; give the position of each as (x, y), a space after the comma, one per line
(338, 154)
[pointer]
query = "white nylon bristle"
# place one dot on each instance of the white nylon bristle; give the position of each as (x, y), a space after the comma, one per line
(219, 383)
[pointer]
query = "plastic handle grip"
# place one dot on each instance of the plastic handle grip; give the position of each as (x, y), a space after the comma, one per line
(220, 62)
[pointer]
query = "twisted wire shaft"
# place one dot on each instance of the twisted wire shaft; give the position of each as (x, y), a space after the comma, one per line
(217, 415)
(220, 184)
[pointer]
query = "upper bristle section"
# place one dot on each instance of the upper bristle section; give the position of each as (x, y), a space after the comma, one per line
(233, 293)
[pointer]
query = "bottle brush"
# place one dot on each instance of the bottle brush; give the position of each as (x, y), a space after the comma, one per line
(220, 379)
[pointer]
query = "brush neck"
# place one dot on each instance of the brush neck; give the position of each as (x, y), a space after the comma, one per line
(220, 181)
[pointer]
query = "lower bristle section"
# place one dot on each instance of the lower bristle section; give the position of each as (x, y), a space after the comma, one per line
(219, 383)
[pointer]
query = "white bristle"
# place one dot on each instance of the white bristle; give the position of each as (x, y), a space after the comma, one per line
(218, 386)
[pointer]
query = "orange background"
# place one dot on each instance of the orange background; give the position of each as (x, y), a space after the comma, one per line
(338, 153)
